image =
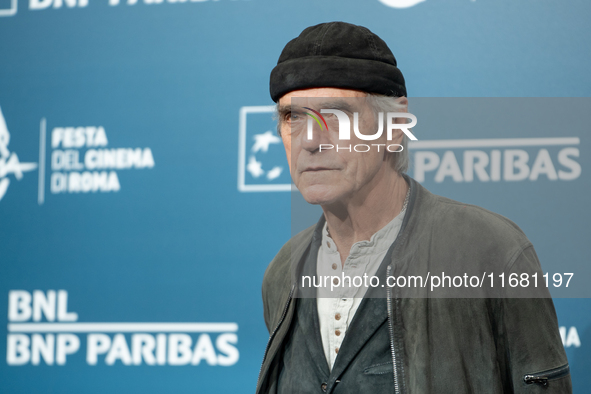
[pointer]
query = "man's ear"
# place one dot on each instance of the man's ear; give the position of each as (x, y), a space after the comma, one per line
(398, 134)
(402, 101)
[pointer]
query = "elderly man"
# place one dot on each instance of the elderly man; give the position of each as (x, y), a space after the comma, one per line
(378, 222)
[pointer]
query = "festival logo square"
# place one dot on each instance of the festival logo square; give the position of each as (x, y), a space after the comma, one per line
(262, 164)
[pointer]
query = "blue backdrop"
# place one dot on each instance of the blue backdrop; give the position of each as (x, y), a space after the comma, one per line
(126, 194)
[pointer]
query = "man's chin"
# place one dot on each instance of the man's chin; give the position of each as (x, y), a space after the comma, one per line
(319, 194)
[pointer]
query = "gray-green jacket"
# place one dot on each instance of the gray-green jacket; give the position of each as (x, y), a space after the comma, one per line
(435, 345)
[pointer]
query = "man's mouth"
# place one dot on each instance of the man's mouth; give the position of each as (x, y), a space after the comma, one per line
(316, 169)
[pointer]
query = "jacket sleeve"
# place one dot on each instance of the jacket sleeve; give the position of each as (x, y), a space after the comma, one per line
(533, 354)
(266, 308)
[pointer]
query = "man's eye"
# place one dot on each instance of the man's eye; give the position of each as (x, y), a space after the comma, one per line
(291, 116)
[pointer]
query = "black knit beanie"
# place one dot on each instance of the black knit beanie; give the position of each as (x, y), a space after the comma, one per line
(338, 55)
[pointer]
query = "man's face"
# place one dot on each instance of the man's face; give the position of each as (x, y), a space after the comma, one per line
(326, 176)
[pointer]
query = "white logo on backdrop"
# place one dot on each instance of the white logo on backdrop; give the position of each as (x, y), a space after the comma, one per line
(11, 6)
(56, 4)
(31, 341)
(253, 156)
(401, 3)
(261, 143)
(9, 162)
(81, 161)
(11, 10)
(496, 159)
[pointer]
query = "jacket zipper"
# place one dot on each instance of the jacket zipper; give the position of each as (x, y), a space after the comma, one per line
(545, 376)
(391, 329)
(275, 330)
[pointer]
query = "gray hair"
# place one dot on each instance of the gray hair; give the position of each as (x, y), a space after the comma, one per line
(379, 103)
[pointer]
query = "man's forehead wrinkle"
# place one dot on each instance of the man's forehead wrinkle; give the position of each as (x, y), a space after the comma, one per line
(340, 104)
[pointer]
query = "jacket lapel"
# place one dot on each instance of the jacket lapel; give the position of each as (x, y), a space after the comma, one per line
(370, 316)
(299, 246)
(308, 309)
(308, 317)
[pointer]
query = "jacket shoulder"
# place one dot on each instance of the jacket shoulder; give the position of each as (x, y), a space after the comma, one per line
(468, 216)
(277, 279)
(280, 265)
(468, 232)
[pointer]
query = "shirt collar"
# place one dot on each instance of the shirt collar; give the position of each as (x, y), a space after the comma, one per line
(378, 242)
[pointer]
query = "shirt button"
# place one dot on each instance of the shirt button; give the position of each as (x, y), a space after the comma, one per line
(328, 244)
(334, 266)
(337, 316)
(336, 350)
(323, 386)
(337, 332)
(335, 281)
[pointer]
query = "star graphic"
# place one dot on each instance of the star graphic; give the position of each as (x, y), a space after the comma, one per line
(274, 173)
(254, 167)
(9, 162)
(4, 137)
(4, 182)
(262, 141)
